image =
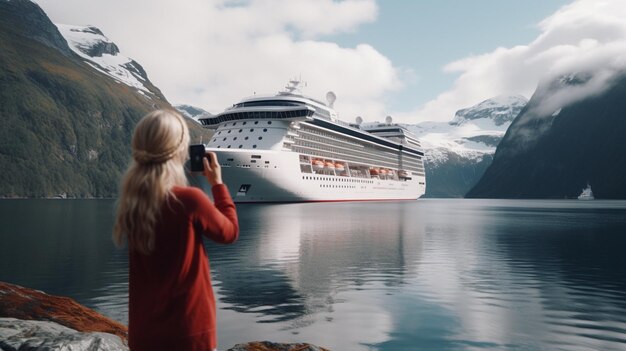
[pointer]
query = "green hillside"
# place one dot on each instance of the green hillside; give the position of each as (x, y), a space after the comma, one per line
(66, 128)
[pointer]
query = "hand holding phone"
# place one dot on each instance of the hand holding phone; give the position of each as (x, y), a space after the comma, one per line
(206, 162)
(212, 169)
(196, 155)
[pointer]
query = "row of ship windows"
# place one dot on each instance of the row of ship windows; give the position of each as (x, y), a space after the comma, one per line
(244, 123)
(343, 180)
(227, 165)
(342, 140)
(351, 158)
(240, 131)
(235, 138)
(327, 136)
(329, 145)
(386, 157)
(368, 149)
(366, 145)
(419, 170)
(240, 146)
(337, 186)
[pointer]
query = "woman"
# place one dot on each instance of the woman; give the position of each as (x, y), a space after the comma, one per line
(171, 302)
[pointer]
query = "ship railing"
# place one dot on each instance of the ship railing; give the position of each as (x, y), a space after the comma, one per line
(296, 113)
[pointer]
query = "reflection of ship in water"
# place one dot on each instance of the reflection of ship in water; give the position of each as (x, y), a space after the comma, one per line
(299, 256)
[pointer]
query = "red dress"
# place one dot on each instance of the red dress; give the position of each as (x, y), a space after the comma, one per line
(171, 302)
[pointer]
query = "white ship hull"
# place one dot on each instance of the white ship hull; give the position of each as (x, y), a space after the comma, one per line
(275, 176)
(290, 148)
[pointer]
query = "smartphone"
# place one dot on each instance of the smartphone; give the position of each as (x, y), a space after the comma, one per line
(196, 154)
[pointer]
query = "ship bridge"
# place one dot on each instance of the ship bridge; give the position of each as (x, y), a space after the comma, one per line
(294, 112)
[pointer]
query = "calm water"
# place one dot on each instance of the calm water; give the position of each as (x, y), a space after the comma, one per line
(425, 275)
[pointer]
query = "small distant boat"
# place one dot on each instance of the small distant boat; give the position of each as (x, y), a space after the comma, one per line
(587, 194)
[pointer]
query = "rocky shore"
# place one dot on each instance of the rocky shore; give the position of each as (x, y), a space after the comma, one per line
(33, 320)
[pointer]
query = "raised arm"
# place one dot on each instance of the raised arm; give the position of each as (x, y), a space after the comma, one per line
(216, 221)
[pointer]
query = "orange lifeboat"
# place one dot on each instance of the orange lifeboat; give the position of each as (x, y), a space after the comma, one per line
(339, 167)
(318, 165)
(373, 171)
(383, 172)
(329, 165)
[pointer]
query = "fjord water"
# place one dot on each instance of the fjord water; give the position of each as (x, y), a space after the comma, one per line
(424, 275)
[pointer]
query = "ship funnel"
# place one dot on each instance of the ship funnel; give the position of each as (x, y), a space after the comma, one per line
(330, 98)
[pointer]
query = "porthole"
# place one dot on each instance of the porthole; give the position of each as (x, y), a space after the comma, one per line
(219, 146)
(244, 123)
(240, 146)
(229, 146)
(254, 146)
(234, 123)
(229, 131)
(246, 138)
(214, 140)
(269, 122)
(265, 129)
(224, 139)
(251, 130)
(220, 132)
(256, 122)
(240, 130)
(235, 138)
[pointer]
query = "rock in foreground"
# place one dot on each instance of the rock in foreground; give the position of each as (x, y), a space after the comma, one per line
(33, 320)
(18, 334)
(272, 346)
(28, 304)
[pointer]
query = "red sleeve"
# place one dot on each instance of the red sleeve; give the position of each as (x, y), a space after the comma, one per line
(218, 222)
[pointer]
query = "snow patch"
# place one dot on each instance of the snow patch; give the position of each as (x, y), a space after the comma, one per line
(501, 109)
(472, 134)
(83, 38)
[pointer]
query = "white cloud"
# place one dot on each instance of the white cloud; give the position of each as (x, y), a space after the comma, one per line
(585, 36)
(213, 53)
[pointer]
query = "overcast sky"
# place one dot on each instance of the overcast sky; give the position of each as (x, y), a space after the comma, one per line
(414, 60)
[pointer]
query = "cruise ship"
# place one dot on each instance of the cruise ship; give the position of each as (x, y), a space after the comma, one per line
(292, 148)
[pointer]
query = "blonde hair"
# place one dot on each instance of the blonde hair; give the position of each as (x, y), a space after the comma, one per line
(159, 147)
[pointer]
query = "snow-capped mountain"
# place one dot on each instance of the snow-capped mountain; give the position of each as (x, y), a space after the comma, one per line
(473, 132)
(103, 55)
(192, 112)
(458, 152)
(500, 109)
(570, 134)
(79, 104)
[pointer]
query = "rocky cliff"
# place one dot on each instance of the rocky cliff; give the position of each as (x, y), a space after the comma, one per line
(569, 134)
(66, 119)
(458, 152)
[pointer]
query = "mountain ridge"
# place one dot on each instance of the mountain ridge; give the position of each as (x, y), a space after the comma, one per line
(555, 146)
(458, 152)
(66, 126)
